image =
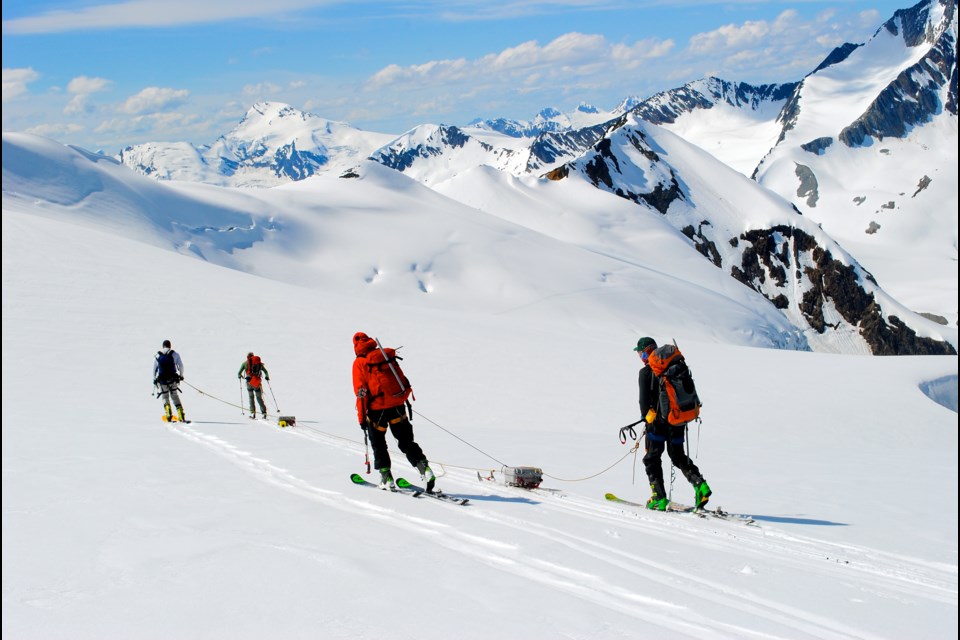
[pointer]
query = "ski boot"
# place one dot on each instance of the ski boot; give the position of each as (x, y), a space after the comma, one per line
(180, 415)
(658, 501)
(427, 474)
(167, 413)
(703, 494)
(386, 480)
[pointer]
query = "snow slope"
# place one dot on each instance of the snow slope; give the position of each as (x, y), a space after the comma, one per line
(888, 191)
(116, 524)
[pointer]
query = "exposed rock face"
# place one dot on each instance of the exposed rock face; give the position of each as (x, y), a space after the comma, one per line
(796, 270)
(402, 156)
(667, 106)
(549, 148)
(808, 185)
(915, 96)
(817, 146)
(826, 281)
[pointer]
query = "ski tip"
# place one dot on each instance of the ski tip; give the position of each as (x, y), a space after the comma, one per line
(356, 478)
(610, 496)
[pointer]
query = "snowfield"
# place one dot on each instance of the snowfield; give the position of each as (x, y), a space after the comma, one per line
(518, 344)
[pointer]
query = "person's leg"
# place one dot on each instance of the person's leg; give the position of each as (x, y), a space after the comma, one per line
(263, 407)
(377, 435)
(403, 431)
(655, 444)
(253, 407)
(165, 394)
(687, 467)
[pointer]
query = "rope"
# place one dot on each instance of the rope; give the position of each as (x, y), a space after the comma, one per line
(633, 450)
(460, 439)
(301, 425)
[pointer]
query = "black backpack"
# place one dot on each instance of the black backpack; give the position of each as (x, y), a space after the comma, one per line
(678, 400)
(166, 367)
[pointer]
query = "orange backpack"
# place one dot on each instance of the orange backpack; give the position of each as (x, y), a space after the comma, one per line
(388, 385)
(254, 366)
(678, 401)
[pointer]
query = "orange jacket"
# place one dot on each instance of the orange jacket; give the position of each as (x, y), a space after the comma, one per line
(362, 345)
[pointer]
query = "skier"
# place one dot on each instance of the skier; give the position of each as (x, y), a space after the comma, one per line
(382, 390)
(252, 370)
(167, 374)
(661, 434)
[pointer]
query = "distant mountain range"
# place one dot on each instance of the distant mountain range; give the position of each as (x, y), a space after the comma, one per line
(854, 166)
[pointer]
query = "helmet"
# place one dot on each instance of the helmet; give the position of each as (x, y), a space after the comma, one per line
(644, 343)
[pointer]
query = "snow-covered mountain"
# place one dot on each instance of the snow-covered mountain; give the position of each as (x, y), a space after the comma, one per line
(517, 318)
(273, 144)
(747, 232)
(868, 149)
(734, 121)
(551, 120)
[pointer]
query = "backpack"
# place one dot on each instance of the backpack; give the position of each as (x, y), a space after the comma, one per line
(678, 402)
(166, 367)
(385, 388)
(254, 367)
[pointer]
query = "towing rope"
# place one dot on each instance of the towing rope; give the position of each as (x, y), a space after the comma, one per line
(303, 424)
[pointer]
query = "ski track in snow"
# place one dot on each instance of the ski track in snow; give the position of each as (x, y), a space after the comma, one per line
(879, 572)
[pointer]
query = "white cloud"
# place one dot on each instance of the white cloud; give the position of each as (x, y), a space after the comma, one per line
(565, 59)
(15, 82)
(82, 87)
(153, 99)
(151, 14)
(729, 36)
(261, 89)
(55, 130)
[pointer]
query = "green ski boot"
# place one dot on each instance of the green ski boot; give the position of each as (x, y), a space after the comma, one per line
(703, 494)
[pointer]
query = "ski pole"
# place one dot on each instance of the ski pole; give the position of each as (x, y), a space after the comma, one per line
(270, 386)
(366, 450)
(242, 411)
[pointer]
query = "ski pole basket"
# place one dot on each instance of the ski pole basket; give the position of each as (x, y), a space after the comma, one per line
(286, 421)
(525, 477)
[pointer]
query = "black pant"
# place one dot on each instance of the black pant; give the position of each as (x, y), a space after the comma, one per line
(660, 436)
(395, 419)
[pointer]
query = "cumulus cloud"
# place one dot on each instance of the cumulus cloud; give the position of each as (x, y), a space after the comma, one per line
(567, 58)
(82, 87)
(15, 82)
(153, 99)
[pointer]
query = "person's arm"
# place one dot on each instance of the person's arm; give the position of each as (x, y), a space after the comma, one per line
(242, 369)
(156, 368)
(178, 361)
(645, 383)
(263, 369)
(360, 390)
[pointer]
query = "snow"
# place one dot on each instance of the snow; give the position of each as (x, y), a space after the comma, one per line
(889, 202)
(518, 339)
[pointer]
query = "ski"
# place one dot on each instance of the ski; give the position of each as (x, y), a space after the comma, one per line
(402, 483)
(174, 419)
(359, 480)
(702, 512)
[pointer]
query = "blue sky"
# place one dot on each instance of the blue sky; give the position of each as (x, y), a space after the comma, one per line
(105, 75)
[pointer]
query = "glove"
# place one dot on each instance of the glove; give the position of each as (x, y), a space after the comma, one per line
(179, 378)
(155, 381)
(267, 378)
(247, 378)
(651, 416)
(239, 376)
